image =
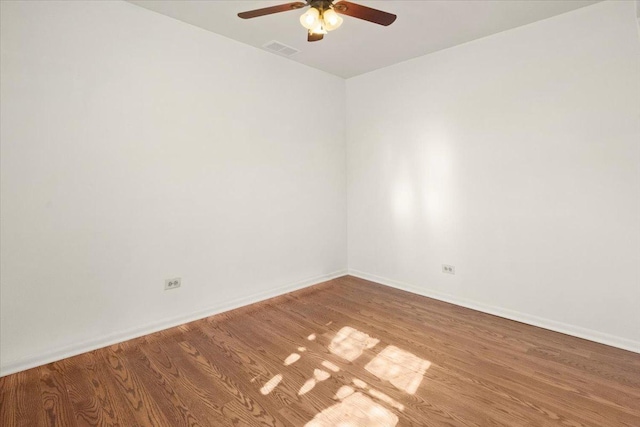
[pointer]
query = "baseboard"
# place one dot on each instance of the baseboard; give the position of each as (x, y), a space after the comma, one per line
(117, 337)
(576, 331)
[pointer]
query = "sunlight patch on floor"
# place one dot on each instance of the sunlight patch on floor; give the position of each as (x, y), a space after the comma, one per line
(354, 410)
(359, 383)
(343, 392)
(386, 399)
(402, 369)
(330, 366)
(349, 343)
(271, 384)
(377, 394)
(291, 359)
(360, 404)
(318, 376)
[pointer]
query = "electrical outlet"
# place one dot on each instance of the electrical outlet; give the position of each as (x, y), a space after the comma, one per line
(172, 283)
(449, 269)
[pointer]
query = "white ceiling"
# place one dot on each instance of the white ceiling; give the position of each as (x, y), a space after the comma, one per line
(358, 46)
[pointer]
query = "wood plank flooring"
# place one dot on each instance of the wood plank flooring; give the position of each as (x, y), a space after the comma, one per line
(344, 353)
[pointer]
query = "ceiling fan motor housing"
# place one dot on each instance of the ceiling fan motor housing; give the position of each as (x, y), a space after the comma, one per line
(321, 5)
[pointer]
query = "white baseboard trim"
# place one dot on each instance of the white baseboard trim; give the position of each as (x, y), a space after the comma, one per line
(118, 337)
(576, 331)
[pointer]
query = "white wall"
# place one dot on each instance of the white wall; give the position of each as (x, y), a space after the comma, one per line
(137, 148)
(515, 158)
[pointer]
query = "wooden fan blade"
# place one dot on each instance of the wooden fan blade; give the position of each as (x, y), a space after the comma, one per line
(273, 9)
(363, 12)
(311, 37)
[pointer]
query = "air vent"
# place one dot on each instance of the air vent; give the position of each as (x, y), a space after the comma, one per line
(280, 49)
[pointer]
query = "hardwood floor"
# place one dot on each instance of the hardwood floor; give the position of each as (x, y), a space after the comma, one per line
(344, 353)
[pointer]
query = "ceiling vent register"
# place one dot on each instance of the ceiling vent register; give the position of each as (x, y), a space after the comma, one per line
(280, 49)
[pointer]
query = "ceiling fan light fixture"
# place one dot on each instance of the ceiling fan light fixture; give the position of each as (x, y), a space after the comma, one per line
(319, 29)
(324, 15)
(331, 20)
(310, 19)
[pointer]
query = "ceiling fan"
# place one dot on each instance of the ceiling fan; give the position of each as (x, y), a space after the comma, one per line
(323, 15)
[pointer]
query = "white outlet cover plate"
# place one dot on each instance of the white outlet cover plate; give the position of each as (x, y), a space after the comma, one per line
(448, 269)
(174, 283)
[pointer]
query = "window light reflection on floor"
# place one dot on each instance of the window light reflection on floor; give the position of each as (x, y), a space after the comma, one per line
(343, 392)
(355, 410)
(318, 376)
(291, 359)
(271, 384)
(349, 343)
(402, 369)
(360, 404)
(375, 393)
(330, 366)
